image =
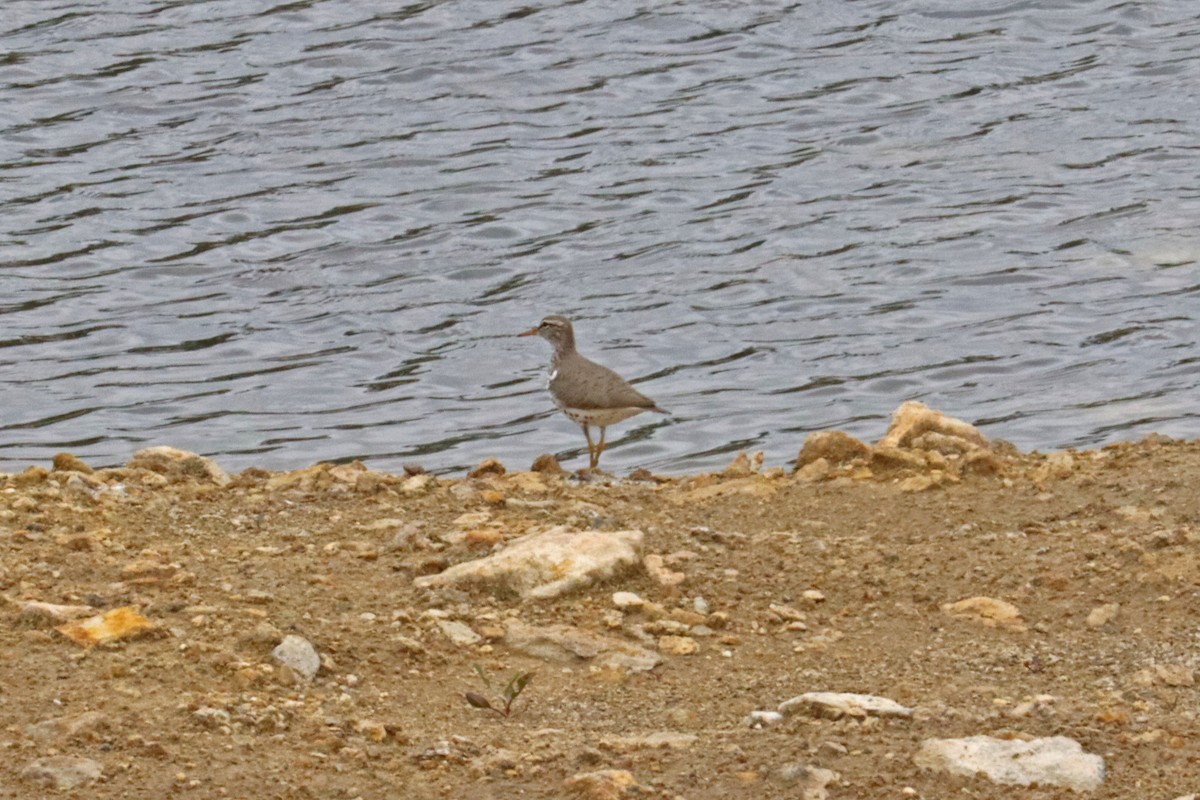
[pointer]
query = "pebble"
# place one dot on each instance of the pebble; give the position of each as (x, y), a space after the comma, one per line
(627, 600)
(491, 466)
(758, 720)
(298, 654)
(1053, 761)
(62, 772)
(459, 633)
(655, 566)
(547, 464)
(1100, 616)
(811, 781)
(678, 645)
(545, 565)
(700, 605)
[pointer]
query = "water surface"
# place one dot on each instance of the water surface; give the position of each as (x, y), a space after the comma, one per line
(277, 233)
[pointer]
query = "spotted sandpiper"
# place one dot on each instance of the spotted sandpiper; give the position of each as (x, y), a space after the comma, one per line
(588, 393)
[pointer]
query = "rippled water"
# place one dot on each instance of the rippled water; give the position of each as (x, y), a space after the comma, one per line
(283, 232)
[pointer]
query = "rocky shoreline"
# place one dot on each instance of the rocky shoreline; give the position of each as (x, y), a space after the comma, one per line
(930, 615)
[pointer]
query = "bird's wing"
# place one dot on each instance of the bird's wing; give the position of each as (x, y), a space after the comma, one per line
(597, 386)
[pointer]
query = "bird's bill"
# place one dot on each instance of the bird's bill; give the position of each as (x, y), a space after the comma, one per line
(530, 332)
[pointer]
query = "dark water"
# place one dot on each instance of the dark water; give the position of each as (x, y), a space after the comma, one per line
(283, 232)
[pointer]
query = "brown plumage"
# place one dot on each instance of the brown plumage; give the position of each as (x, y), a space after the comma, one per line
(588, 393)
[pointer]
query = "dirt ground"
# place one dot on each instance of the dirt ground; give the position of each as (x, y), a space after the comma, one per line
(831, 579)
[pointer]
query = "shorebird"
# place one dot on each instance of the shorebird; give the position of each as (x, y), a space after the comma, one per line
(588, 393)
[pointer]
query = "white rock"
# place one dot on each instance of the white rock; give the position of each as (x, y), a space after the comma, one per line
(1053, 761)
(834, 705)
(62, 772)
(565, 643)
(1100, 616)
(626, 600)
(459, 633)
(297, 653)
(548, 564)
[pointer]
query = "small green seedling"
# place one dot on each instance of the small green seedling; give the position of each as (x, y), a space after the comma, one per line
(509, 694)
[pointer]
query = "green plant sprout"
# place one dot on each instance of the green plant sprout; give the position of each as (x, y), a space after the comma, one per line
(509, 694)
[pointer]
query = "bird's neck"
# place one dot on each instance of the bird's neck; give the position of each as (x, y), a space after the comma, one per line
(562, 352)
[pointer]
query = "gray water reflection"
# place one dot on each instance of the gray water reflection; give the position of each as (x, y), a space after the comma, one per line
(283, 232)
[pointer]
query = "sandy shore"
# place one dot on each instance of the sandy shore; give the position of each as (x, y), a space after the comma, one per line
(739, 591)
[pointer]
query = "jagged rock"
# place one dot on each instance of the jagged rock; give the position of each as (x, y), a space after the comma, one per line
(744, 465)
(1054, 761)
(814, 471)
(678, 645)
(67, 462)
(178, 464)
(547, 465)
(835, 705)
(548, 564)
(656, 567)
(565, 643)
(605, 784)
(62, 772)
(889, 459)
(119, 623)
(68, 727)
(835, 447)
(988, 611)
(491, 466)
(459, 633)
(811, 781)
(913, 419)
(298, 654)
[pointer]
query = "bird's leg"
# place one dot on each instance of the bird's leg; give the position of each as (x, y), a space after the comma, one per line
(600, 446)
(592, 458)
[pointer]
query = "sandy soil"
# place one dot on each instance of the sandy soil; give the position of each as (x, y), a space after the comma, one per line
(833, 579)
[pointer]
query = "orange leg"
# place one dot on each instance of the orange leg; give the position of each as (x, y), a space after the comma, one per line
(599, 447)
(593, 454)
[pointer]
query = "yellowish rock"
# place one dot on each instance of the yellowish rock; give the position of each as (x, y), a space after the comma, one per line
(1100, 616)
(914, 419)
(66, 462)
(987, 611)
(605, 784)
(111, 626)
(678, 645)
(833, 447)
